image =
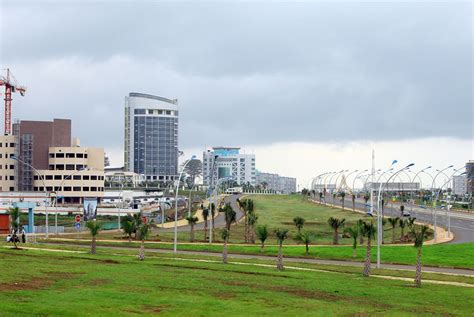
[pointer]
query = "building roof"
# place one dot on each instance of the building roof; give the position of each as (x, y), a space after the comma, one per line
(141, 95)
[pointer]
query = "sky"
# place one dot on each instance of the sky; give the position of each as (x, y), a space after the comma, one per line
(308, 87)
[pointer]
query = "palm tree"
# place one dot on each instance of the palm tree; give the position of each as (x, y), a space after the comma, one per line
(262, 234)
(411, 222)
(225, 233)
(212, 213)
(94, 228)
(248, 208)
(281, 235)
(192, 220)
(360, 225)
(419, 237)
(299, 223)
(128, 228)
(229, 214)
(343, 195)
(143, 232)
(252, 221)
(353, 202)
(137, 218)
(205, 215)
(369, 231)
(306, 238)
(15, 224)
(354, 232)
(402, 223)
(335, 224)
(393, 222)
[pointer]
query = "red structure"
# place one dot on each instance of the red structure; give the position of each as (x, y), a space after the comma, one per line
(10, 87)
(4, 223)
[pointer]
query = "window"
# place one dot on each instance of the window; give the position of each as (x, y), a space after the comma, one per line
(49, 188)
(12, 189)
(76, 177)
(35, 177)
(69, 167)
(93, 189)
(79, 167)
(60, 167)
(93, 178)
(85, 188)
(67, 188)
(80, 155)
(140, 111)
(85, 177)
(76, 188)
(51, 167)
(12, 178)
(58, 177)
(85, 155)
(59, 155)
(49, 177)
(11, 155)
(12, 144)
(51, 155)
(70, 155)
(12, 167)
(150, 111)
(168, 112)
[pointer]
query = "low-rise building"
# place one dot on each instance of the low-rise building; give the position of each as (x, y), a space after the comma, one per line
(8, 167)
(275, 182)
(228, 162)
(118, 177)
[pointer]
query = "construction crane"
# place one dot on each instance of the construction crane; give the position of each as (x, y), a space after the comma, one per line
(10, 87)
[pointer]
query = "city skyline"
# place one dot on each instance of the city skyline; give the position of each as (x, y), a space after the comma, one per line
(329, 87)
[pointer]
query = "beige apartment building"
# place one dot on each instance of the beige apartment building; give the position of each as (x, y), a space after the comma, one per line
(7, 163)
(73, 173)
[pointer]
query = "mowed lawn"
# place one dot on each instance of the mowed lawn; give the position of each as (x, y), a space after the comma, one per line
(47, 283)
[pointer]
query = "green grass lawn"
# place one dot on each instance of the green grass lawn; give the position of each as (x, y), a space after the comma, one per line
(47, 283)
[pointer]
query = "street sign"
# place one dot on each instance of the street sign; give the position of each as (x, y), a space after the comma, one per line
(78, 218)
(78, 225)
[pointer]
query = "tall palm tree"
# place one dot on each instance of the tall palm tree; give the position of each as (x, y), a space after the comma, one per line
(335, 224)
(402, 223)
(343, 195)
(419, 237)
(192, 220)
(137, 218)
(393, 222)
(306, 238)
(15, 224)
(353, 202)
(128, 228)
(281, 235)
(354, 233)
(299, 223)
(212, 213)
(143, 232)
(225, 233)
(205, 215)
(262, 234)
(94, 228)
(369, 231)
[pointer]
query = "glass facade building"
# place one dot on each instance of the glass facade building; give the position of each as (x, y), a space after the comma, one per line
(151, 137)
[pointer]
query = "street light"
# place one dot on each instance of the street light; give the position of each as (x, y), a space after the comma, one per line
(45, 191)
(56, 198)
(175, 245)
(433, 203)
(335, 185)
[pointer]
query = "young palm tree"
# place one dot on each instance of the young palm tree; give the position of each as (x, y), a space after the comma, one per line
(360, 226)
(262, 234)
(137, 218)
(393, 222)
(369, 231)
(354, 232)
(343, 195)
(192, 220)
(281, 235)
(252, 221)
(335, 224)
(143, 232)
(212, 213)
(299, 223)
(94, 228)
(128, 228)
(15, 224)
(419, 237)
(205, 215)
(411, 222)
(306, 238)
(402, 223)
(230, 215)
(225, 233)
(353, 202)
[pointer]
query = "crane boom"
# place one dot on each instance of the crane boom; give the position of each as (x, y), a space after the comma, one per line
(10, 87)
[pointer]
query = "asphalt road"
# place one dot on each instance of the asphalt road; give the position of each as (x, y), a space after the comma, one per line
(462, 224)
(219, 220)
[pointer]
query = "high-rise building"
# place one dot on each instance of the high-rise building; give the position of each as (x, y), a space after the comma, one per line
(228, 162)
(460, 185)
(151, 137)
(470, 177)
(8, 167)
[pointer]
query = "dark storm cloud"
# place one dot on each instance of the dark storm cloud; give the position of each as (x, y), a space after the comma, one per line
(248, 73)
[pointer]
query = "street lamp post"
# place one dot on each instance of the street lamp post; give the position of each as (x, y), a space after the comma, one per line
(175, 245)
(45, 191)
(433, 203)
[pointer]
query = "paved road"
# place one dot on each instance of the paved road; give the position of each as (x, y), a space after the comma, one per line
(219, 221)
(462, 224)
(291, 260)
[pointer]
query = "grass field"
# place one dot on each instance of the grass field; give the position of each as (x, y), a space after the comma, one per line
(69, 284)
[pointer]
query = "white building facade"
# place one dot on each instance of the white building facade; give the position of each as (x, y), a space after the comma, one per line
(228, 162)
(151, 137)
(460, 185)
(280, 184)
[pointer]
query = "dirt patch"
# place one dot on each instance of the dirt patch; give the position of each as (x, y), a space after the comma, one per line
(154, 309)
(35, 283)
(98, 282)
(223, 295)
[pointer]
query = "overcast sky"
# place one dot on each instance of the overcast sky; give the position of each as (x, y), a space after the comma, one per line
(279, 79)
